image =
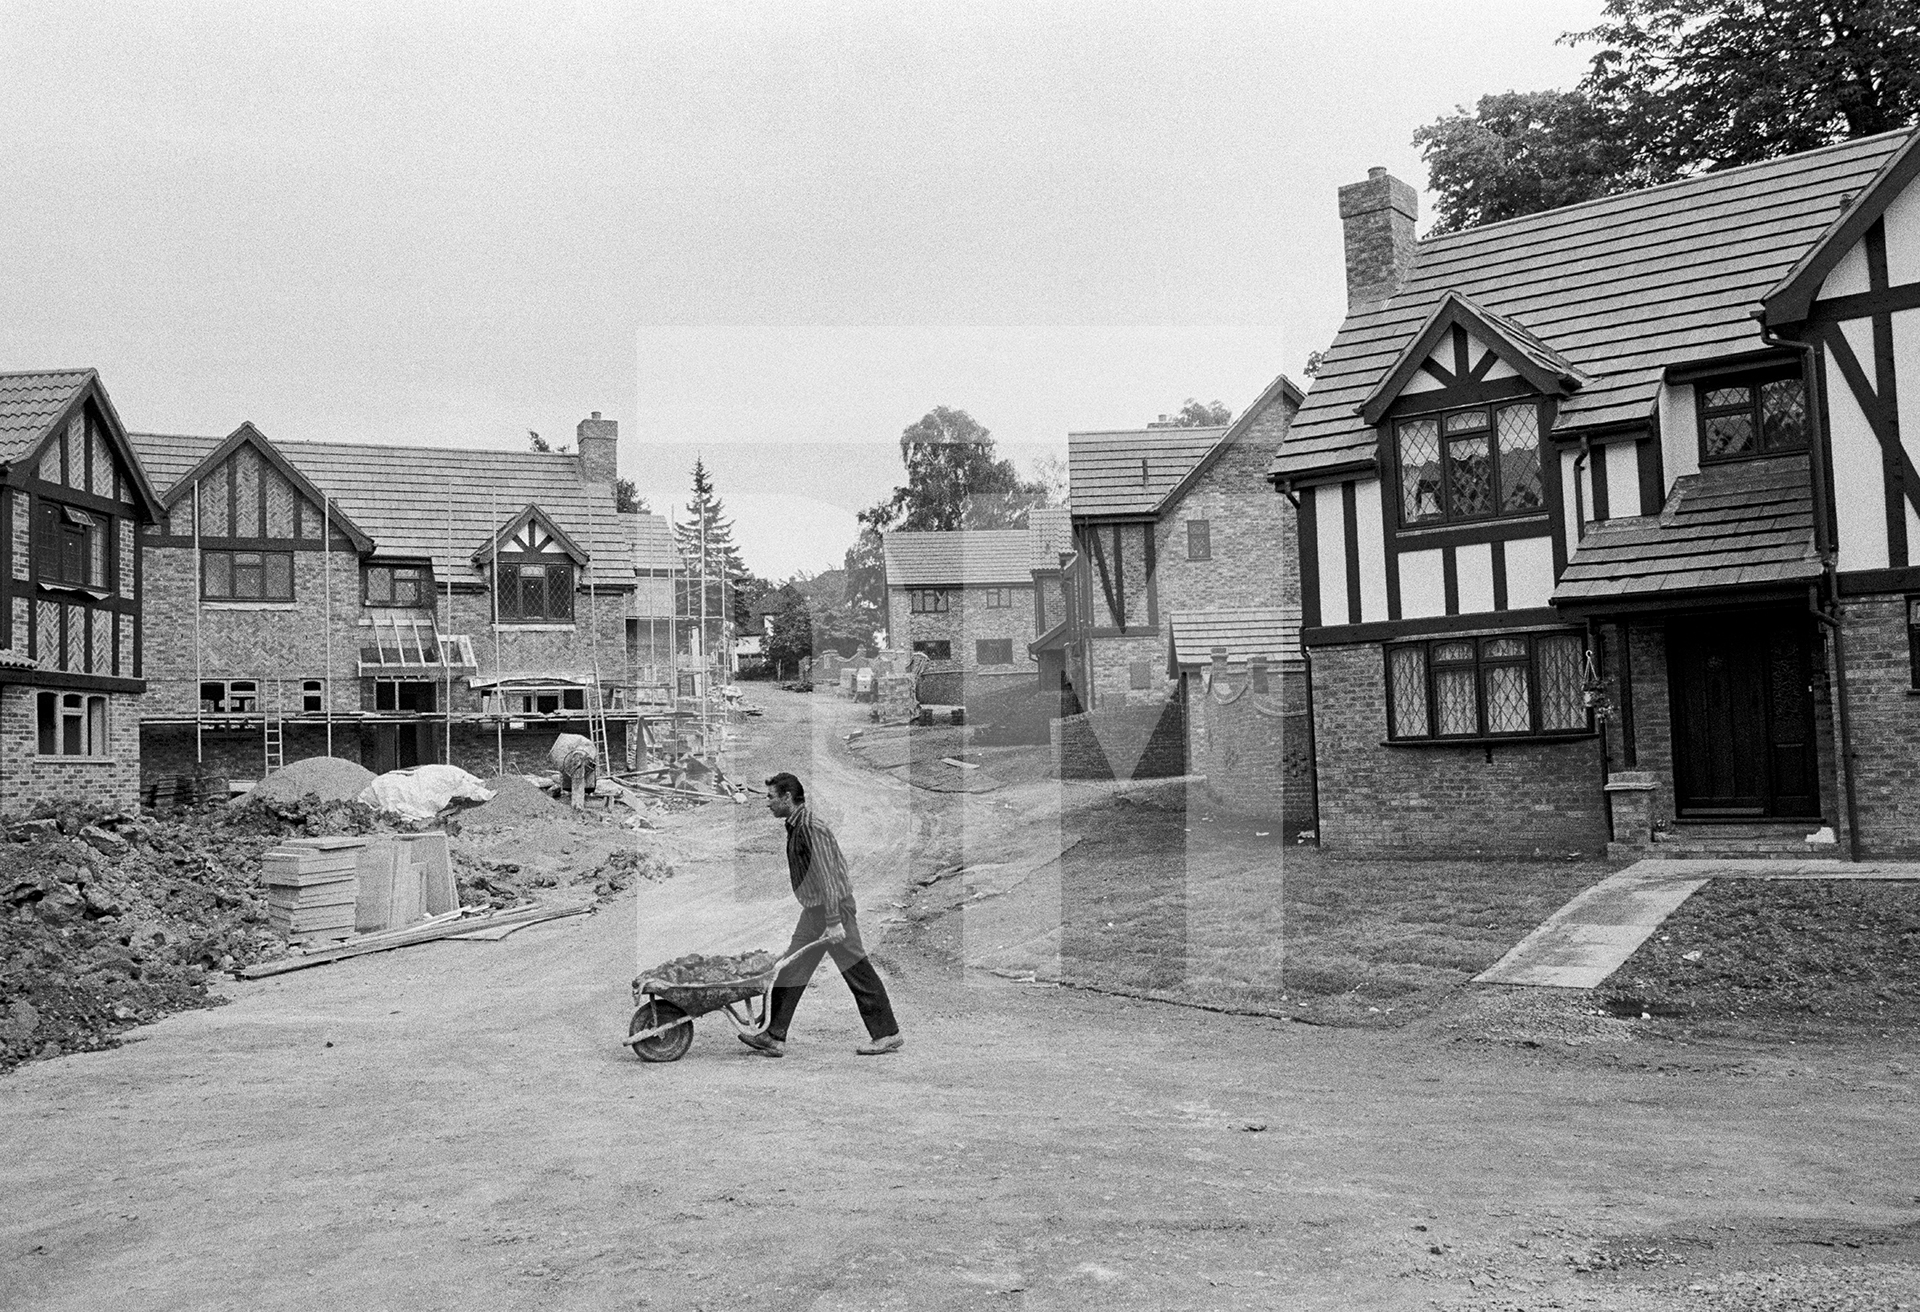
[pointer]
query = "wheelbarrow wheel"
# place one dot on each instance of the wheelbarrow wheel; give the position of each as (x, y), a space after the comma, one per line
(672, 1045)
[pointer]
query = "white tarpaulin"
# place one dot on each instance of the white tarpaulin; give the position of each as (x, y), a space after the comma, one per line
(424, 791)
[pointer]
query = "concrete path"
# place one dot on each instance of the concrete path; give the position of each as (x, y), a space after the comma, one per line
(1592, 936)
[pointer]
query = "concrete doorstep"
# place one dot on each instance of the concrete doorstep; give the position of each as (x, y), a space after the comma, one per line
(1592, 936)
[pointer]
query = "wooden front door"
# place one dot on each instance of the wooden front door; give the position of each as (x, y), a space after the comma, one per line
(1743, 726)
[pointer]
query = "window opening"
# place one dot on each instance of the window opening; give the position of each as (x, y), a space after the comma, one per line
(993, 651)
(1754, 415)
(73, 724)
(1199, 540)
(246, 575)
(928, 601)
(1470, 464)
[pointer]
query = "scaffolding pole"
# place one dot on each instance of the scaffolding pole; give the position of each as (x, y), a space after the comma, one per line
(499, 729)
(438, 641)
(199, 673)
(326, 595)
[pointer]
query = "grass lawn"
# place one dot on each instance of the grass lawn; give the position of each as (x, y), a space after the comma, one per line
(1795, 958)
(1168, 899)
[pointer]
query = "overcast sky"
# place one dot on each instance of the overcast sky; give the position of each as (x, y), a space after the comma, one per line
(778, 233)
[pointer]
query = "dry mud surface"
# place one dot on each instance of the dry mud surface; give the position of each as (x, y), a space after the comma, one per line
(456, 1126)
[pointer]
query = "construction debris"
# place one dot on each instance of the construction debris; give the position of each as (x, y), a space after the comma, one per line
(454, 924)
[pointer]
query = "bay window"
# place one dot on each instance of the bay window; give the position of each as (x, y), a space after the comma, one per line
(1506, 685)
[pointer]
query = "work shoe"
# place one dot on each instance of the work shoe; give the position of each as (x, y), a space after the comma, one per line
(764, 1044)
(878, 1047)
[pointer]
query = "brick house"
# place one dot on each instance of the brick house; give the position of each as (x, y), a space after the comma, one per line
(1168, 519)
(1604, 518)
(73, 496)
(972, 601)
(394, 605)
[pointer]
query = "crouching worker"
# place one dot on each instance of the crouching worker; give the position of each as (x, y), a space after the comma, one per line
(819, 875)
(578, 762)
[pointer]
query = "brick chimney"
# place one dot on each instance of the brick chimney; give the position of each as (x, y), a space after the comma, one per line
(1377, 216)
(599, 447)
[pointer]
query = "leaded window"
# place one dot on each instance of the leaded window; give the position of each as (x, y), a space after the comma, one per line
(1508, 685)
(1469, 464)
(531, 592)
(1751, 415)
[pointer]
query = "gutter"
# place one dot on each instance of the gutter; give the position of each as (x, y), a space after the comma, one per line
(1823, 542)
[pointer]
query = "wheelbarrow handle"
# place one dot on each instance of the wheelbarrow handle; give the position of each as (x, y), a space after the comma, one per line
(781, 964)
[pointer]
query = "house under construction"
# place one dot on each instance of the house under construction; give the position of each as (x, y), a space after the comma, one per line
(397, 605)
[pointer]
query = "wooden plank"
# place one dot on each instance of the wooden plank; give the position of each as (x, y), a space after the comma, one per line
(418, 934)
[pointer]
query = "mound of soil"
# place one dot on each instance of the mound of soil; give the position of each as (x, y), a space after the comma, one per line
(515, 802)
(702, 982)
(326, 777)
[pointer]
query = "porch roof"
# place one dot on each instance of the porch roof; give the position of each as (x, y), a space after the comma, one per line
(1273, 632)
(1736, 526)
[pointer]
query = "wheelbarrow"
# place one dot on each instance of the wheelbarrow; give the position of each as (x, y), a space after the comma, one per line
(661, 1028)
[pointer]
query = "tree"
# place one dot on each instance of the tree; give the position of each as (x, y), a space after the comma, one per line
(540, 444)
(1522, 152)
(792, 638)
(954, 481)
(627, 499)
(724, 569)
(1195, 414)
(1050, 480)
(1679, 87)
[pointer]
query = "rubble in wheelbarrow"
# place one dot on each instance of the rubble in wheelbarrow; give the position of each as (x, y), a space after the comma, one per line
(701, 983)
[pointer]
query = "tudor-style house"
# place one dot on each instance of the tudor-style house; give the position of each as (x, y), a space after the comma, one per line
(1604, 518)
(395, 605)
(72, 497)
(972, 602)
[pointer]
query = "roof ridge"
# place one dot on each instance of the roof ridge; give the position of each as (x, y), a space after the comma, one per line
(1711, 175)
(45, 373)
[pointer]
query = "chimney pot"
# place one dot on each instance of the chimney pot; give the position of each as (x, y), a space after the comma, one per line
(1377, 218)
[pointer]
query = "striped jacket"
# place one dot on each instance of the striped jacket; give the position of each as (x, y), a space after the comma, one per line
(815, 864)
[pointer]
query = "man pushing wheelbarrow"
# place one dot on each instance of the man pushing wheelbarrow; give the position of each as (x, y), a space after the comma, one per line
(828, 926)
(672, 994)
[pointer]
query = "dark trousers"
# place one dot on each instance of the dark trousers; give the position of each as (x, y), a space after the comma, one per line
(869, 994)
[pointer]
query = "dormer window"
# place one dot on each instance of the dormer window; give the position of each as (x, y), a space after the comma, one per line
(1476, 463)
(1749, 415)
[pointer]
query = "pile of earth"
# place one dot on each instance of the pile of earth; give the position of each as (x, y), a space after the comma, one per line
(488, 881)
(516, 801)
(706, 982)
(326, 777)
(111, 920)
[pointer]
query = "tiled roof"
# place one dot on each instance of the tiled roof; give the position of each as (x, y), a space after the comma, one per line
(1620, 288)
(168, 458)
(1052, 530)
(1273, 632)
(1129, 472)
(29, 402)
(653, 544)
(1736, 525)
(979, 556)
(442, 503)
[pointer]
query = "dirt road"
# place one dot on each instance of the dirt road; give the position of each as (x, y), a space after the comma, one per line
(454, 1127)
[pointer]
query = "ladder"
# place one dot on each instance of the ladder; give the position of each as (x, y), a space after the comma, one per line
(597, 726)
(271, 739)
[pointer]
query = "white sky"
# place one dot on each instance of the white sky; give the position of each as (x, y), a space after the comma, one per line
(759, 231)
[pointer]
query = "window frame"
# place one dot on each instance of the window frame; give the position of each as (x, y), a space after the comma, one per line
(60, 531)
(1912, 603)
(422, 581)
(980, 656)
(1477, 668)
(1492, 409)
(511, 603)
(231, 555)
(945, 655)
(929, 601)
(85, 718)
(1200, 542)
(999, 598)
(1753, 380)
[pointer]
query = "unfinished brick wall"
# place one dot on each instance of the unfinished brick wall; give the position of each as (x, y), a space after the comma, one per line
(1884, 725)
(1252, 746)
(1515, 799)
(28, 779)
(1122, 742)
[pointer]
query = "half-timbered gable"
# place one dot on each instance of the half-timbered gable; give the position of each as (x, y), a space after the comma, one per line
(1554, 466)
(72, 646)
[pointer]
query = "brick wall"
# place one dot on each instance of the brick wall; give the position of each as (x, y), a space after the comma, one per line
(1113, 667)
(1508, 799)
(1252, 747)
(1122, 742)
(1884, 725)
(27, 779)
(1254, 561)
(968, 620)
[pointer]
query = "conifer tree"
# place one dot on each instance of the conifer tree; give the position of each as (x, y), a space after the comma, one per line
(725, 570)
